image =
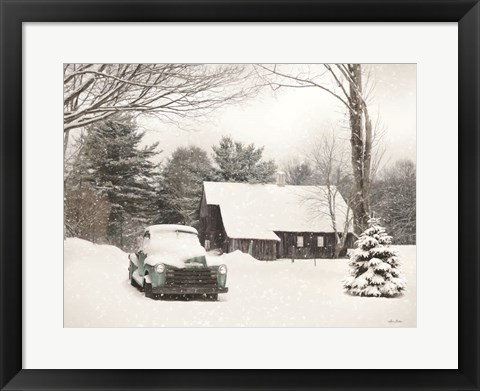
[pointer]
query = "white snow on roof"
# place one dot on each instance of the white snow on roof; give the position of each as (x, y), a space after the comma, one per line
(255, 211)
(171, 228)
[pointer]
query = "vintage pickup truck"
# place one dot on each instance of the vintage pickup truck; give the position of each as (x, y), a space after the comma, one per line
(171, 261)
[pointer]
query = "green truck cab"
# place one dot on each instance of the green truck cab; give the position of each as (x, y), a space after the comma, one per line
(171, 261)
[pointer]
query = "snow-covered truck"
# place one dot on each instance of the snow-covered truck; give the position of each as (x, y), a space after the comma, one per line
(171, 261)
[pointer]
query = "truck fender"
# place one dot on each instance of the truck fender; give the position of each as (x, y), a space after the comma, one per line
(147, 278)
(133, 258)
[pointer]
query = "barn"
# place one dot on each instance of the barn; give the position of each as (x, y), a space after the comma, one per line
(270, 221)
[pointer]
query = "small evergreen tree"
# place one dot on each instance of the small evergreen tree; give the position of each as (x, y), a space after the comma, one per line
(238, 162)
(374, 266)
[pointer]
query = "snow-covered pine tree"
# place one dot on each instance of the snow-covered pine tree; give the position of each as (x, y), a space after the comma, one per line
(180, 190)
(374, 266)
(239, 162)
(113, 163)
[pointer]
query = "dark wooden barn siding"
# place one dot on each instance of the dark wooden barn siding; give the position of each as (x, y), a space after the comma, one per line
(264, 250)
(211, 225)
(288, 245)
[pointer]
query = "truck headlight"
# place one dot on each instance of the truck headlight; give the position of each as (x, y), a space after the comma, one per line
(160, 268)
(222, 269)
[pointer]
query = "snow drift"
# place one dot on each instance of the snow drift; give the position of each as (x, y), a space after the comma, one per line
(261, 294)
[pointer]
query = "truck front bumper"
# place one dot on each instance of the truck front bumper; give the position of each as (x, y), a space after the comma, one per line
(177, 290)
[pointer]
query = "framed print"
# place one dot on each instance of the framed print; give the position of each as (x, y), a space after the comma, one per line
(242, 191)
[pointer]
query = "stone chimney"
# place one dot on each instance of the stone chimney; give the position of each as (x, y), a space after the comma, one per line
(280, 178)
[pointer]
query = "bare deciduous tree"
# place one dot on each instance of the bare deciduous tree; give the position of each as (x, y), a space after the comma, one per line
(94, 92)
(86, 214)
(329, 158)
(395, 200)
(345, 82)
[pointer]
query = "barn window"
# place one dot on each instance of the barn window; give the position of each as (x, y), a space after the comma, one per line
(320, 241)
(299, 241)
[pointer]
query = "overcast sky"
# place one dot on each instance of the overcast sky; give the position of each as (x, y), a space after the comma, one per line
(286, 122)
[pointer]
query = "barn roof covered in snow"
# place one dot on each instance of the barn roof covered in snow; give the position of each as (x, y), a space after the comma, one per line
(255, 211)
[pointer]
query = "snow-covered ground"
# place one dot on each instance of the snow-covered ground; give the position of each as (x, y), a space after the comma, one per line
(97, 293)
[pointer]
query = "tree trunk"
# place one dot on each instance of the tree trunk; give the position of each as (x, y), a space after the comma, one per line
(361, 142)
(338, 249)
(341, 242)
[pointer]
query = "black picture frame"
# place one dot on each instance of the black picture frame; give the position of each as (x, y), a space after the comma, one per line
(16, 12)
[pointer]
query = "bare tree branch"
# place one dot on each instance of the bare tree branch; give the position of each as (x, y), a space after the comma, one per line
(327, 155)
(94, 92)
(304, 82)
(346, 85)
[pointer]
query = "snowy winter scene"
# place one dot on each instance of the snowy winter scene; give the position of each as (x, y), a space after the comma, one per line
(240, 195)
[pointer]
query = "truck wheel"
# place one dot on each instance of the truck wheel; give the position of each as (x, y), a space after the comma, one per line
(147, 287)
(212, 297)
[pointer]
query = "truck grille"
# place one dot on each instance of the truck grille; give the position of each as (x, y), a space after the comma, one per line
(194, 277)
